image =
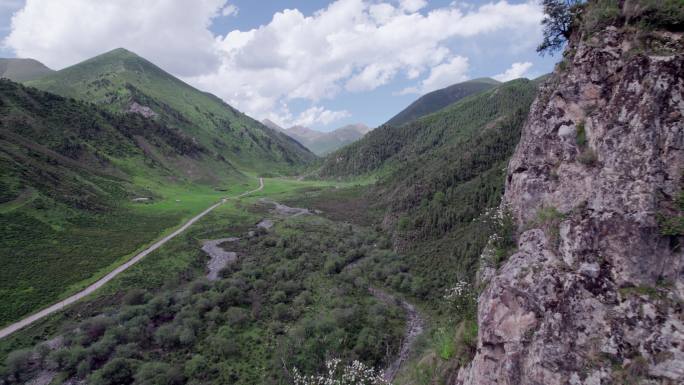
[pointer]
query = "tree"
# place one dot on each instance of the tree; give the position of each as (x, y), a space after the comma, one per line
(557, 23)
(18, 362)
(158, 373)
(118, 371)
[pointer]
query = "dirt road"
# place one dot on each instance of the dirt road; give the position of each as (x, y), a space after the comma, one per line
(102, 281)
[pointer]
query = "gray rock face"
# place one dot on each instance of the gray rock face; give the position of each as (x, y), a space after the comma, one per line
(145, 111)
(597, 300)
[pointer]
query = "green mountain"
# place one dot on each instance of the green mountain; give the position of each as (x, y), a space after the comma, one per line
(72, 176)
(438, 174)
(436, 100)
(122, 81)
(322, 143)
(20, 70)
(108, 155)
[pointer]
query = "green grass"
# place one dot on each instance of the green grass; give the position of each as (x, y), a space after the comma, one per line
(171, 264)
(44, 264)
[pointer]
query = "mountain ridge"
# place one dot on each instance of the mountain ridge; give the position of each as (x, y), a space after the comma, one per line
(119, 78)
(19, 70)
(438, 99)
(323, 142)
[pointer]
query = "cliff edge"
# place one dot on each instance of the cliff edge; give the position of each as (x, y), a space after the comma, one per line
(593, 294)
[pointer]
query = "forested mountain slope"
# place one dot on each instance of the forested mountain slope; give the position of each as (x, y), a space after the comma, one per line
(20, 70)
(436, 100)
(122, 81)
(438, 174)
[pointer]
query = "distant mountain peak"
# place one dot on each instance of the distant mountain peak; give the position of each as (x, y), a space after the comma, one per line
(272, 125)
(320, 142)
(21, 70)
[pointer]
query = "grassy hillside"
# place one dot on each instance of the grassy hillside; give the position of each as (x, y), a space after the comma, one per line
(20, 70)
(70, 174)
(436, 100)
(122, 81)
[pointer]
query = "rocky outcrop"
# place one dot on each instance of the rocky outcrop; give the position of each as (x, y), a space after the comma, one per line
(593, 296)
(145, 111)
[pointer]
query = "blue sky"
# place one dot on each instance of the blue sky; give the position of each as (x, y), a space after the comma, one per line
(318, 63)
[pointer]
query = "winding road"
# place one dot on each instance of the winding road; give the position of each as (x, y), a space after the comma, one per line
(111, 275)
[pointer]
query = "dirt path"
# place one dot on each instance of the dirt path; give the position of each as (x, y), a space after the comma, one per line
(415, 324)
(102, 281)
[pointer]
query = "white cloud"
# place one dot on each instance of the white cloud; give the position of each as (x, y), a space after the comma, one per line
(517, 70)
(373, 76)
(353, 46)
(230, 10)
(315, 115)
(349, 46)
(412, 5)
(173, 34)
(451, 72)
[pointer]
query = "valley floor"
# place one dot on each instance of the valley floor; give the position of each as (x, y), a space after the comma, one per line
(299, 274)
(118, 270)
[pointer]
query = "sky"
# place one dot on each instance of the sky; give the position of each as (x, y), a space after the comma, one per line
(321, 64)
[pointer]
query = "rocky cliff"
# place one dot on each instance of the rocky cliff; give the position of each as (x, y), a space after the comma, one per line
(593, 294)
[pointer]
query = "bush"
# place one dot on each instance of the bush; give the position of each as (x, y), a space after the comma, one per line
(581, 135)
(196, 367)
(404, 223)
(549, 219)
(281, 312)
(668, 14)
(444, 341)
(588, 157)
(135, 297)
(600, 14)
(67, 359)
(333, 265)
(354, 373)
(119, 371)
(222, 346)
(465, 341)
(167, 336)
(199, 286)
(93, 329)
(503, 231)
(158, 373)
(236, 316)
(18, 362)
